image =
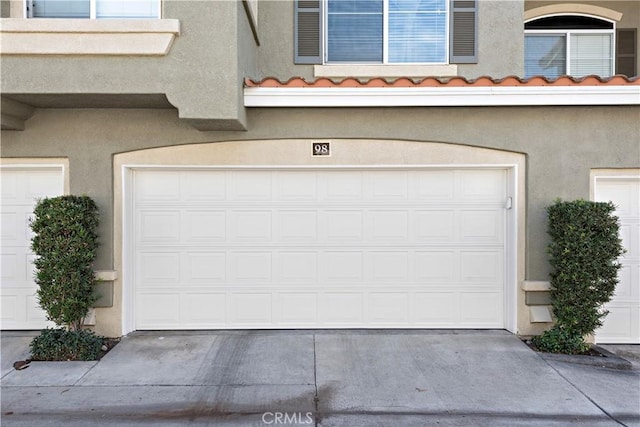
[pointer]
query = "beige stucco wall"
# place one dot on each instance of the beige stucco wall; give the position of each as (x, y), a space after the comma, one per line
(561, 146)
(500, 42)
(200, 75)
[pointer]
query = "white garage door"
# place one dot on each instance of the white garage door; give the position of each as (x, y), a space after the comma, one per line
(622, 324)
(21, 187)
(318, 248)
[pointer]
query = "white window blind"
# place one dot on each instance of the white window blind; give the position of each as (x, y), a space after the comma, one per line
(591, 54)
(381, 31)
(94, 8)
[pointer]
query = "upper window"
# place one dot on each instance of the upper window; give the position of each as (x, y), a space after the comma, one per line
(101, 9)
(386, 31)
(569, 45)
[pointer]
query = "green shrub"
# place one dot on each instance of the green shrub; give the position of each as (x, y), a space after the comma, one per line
(65, 243)
(583, 253)
(62, 344)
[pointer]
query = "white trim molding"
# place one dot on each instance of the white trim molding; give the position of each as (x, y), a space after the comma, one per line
(87, 36)
(441, 96)
(384, 70)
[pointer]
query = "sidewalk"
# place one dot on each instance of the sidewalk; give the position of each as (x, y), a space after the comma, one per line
(325, 378)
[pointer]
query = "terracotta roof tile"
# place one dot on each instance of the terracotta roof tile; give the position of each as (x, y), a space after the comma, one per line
(351, 82)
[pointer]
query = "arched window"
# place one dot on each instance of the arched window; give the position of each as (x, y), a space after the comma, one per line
(575, 45)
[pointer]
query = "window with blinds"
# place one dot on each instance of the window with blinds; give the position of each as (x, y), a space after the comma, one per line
(578, 46)
(386, 31)
(94, 9)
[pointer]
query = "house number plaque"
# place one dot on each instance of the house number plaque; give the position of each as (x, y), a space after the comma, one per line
(321, 148)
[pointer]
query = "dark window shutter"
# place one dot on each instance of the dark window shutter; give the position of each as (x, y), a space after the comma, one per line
(463, 46)
(308, 31)
(626, 52)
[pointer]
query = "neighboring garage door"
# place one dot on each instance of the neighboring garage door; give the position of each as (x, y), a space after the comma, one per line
(335, 248)
(21, 187)
(622, 324)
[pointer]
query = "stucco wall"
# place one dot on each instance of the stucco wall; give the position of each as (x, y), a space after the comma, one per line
(199, 75)
(561, 144)
(500, 41)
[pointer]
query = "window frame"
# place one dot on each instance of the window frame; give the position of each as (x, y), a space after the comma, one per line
(567, 34)
(28, 11)
(385, 38)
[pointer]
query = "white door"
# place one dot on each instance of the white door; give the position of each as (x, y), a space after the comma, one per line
(21, 187)
(622, 324)
(299, 248)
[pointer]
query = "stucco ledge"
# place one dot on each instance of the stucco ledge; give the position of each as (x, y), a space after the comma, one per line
(128, 37)
(535, 286)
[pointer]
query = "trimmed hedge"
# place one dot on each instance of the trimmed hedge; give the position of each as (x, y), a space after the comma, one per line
(62, 344)
(65, 243)
(583, 253)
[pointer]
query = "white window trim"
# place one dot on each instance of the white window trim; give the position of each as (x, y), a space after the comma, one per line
(567, 34)
(385, 40)
(28, 10)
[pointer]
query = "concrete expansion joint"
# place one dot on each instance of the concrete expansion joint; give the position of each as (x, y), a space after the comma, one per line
(316, 398)
(593, 402)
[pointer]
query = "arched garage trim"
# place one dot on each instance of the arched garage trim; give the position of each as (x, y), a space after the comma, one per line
(369, 154)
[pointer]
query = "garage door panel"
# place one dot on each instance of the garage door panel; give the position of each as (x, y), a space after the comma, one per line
(482, 308)
(203, 186)
(619, 323)
(623, 194)
(341, 309)
(482, 185)
(203, 309)
(388, 308)
(21, 188)
(434, 185)
(387, 186)
(343, 225)
(157, 268)
(434, 226)
(385, 225)
(437, 308)
(297, 226)
(435, 266)
(251, 226)
(387, 266)
(251, 267)
(481, 225)
(207, 267)
(297, 267)
(157, 186)
(340, 266)
(251, 309)
(10, 226)
(253, 186)
(481, 266)
(296, 308)
(158, 226)
(204, 226)
(158, 309)
(341, 186)
(297, 186)
(622, 324)
(323, 248)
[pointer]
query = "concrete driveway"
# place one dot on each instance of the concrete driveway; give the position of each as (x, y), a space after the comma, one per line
(325, 378)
